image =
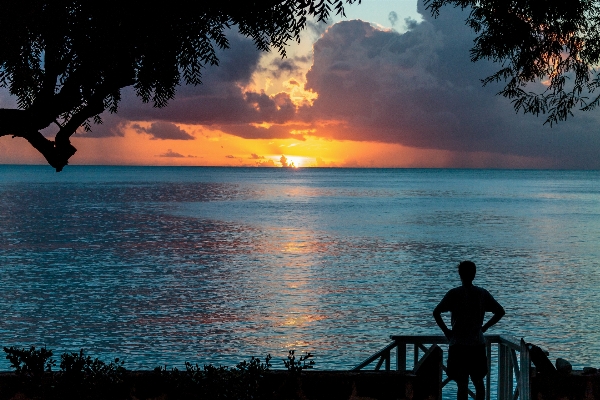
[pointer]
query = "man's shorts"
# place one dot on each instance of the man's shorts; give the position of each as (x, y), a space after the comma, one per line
(465, 361)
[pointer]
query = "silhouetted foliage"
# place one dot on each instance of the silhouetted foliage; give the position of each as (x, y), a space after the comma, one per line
(240, 382)
(84, 377)
(67, 61)
(297, 365)
(555, 42)
(79, 377)
(30, 362)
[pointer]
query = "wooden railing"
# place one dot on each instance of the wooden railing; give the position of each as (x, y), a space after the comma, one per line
(509, 368)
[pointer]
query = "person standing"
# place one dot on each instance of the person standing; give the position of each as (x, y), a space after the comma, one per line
(467, 352)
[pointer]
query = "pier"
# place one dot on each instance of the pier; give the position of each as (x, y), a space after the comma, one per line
(511, 355)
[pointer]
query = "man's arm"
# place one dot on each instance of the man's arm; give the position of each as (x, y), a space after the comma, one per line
(495, 318)
(498, 311)
(437, 315)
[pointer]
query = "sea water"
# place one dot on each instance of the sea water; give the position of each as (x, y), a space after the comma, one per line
(163, 265)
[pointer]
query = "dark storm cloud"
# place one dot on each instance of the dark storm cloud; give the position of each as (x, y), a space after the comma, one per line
(420, 89)
(274, 131)
(164, 131)
(112, 125)
(281, 66)
(219, 100)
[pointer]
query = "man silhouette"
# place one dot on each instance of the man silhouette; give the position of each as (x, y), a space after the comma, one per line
(467, 353)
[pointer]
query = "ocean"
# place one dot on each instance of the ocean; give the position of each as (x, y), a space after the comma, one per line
(163, 265)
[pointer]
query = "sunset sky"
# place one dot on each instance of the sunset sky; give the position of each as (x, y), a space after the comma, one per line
(388, 86)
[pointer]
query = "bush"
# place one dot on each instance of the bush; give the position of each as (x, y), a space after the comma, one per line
(209, 382)
(79, 377)
(83, 377)
(298, 365)
(30, 362)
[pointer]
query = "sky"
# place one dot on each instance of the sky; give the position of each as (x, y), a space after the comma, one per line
(387, 86)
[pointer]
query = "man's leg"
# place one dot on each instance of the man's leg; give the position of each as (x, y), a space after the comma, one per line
(479, 389)
(479, 369)
(463, 388)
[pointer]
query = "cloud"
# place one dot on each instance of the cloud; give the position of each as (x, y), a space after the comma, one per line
(229, 156)
(281, 66)
(256, 157)
(420, 89)
(220, 99)
(6, 100)
(393, 18)
(171, 153)
(112, 126)
(284, 162)
(410, 23)
(267, 163)
(317, 28)
(282, 131)
(324, 164)
(164, 131)
(417, 89)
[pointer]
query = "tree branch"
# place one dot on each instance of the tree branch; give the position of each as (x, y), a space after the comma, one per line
(13, 121)
(18, 123)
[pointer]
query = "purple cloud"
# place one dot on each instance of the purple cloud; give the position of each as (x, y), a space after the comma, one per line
(420, 89)
(219, 100)
(164, 131)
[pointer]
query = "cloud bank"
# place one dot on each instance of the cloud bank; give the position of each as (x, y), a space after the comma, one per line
(420, 89)
(416, 89)
(164, 131)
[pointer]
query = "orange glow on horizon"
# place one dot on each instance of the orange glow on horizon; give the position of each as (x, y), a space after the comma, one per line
(215, 148)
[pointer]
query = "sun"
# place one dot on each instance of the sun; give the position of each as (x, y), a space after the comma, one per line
(291, 162)
(295, 161)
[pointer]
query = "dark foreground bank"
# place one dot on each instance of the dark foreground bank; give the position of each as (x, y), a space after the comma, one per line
(83, 377)
(273, 385)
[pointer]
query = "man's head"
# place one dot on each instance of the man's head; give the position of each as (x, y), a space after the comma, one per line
(466, 270)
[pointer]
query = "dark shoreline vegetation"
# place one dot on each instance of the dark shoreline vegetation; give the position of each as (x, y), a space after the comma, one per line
(82, 377)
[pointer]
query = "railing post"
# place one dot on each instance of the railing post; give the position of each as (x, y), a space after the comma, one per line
(524, 386)
(488, 348)
(441, 378)
(416, 355)
(401, 357)
(387, 360)
(505, 373)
